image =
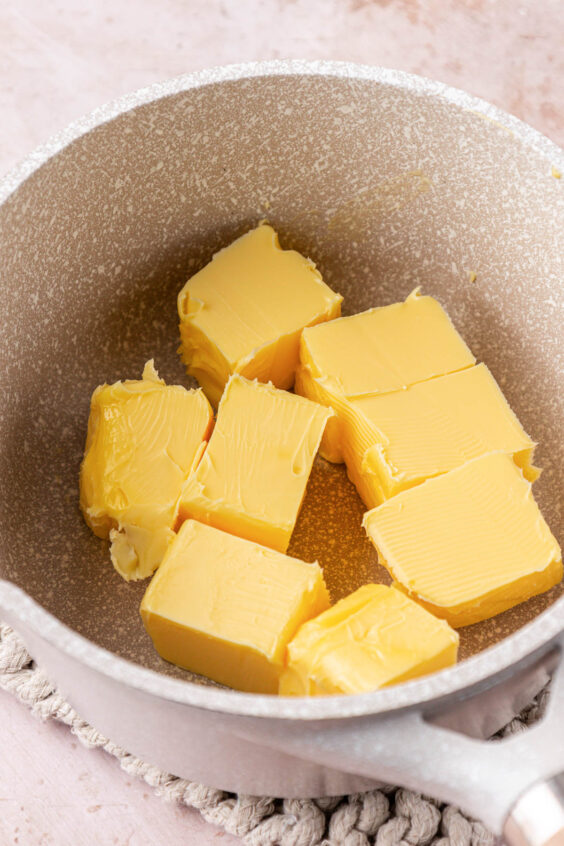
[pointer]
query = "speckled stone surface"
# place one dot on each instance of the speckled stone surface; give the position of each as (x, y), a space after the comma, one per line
(384, 184)
(509, 53)
(62, 58)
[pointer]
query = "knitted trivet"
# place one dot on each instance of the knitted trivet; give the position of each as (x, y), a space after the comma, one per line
(390, 816)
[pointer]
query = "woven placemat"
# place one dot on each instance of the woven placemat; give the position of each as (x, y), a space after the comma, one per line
(390, 816)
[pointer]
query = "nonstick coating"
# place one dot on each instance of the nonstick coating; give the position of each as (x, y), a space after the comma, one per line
(384, 186)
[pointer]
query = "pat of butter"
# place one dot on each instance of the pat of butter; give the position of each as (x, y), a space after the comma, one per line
(384, 349)
(377, 351)
(245, 310)
(226, 608)
(144, 438)
(397, 440)
(373, 638)
(468, 544)
(252, 478)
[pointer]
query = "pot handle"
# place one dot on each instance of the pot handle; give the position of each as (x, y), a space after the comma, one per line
(515, 784)
(537, 818)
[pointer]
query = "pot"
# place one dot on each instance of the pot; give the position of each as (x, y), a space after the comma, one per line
(387, 181)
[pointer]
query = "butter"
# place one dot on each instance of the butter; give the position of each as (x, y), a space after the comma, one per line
(144, 438)
(410, 402)
(468, 544)
(226, 608)
(384, 349)
(245, 310)
(375, 352)
(373, 638)
(252, 478)
(397, 440)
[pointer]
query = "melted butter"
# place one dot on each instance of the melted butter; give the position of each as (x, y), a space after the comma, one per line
(252, 478)
(373, 638)
(468, 544)
(354, 219)
(144, 438)
(244, 312)
(226, 608)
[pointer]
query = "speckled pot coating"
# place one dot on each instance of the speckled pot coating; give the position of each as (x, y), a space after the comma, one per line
(387, 181)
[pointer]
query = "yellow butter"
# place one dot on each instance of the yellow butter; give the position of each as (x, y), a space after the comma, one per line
(409, 403)
(384, 349)
(226, 608)
(397, 440)
(468, 544)
(252, 478)
(144, 438)
(377, 351)
(373, 638)
(245, 310)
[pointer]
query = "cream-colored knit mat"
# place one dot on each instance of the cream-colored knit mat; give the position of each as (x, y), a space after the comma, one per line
(387, 817)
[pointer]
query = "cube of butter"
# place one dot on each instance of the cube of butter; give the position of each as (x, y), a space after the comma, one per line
(430, 428)
(468, 544)
(377, 351)
(226, 608)
(245, 310)
(144, 438)
(252, 478)
(373, 638)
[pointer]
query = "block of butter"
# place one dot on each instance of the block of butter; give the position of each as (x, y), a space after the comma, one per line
(397, 440)
(252, 478)
(144, 438)
(226, 608)
(245, 310)
(377, 351)
(468, 544)
(373, 638)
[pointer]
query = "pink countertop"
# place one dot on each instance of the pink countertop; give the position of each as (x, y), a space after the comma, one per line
(61, 59)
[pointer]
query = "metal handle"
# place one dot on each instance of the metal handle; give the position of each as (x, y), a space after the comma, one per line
(497, 782)
(537, 818)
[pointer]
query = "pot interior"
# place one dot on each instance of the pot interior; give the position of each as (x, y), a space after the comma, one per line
(385, 187)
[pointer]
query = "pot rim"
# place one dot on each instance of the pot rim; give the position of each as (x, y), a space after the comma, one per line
(478, 669)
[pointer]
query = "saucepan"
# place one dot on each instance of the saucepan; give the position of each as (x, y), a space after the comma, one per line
(387, 181)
